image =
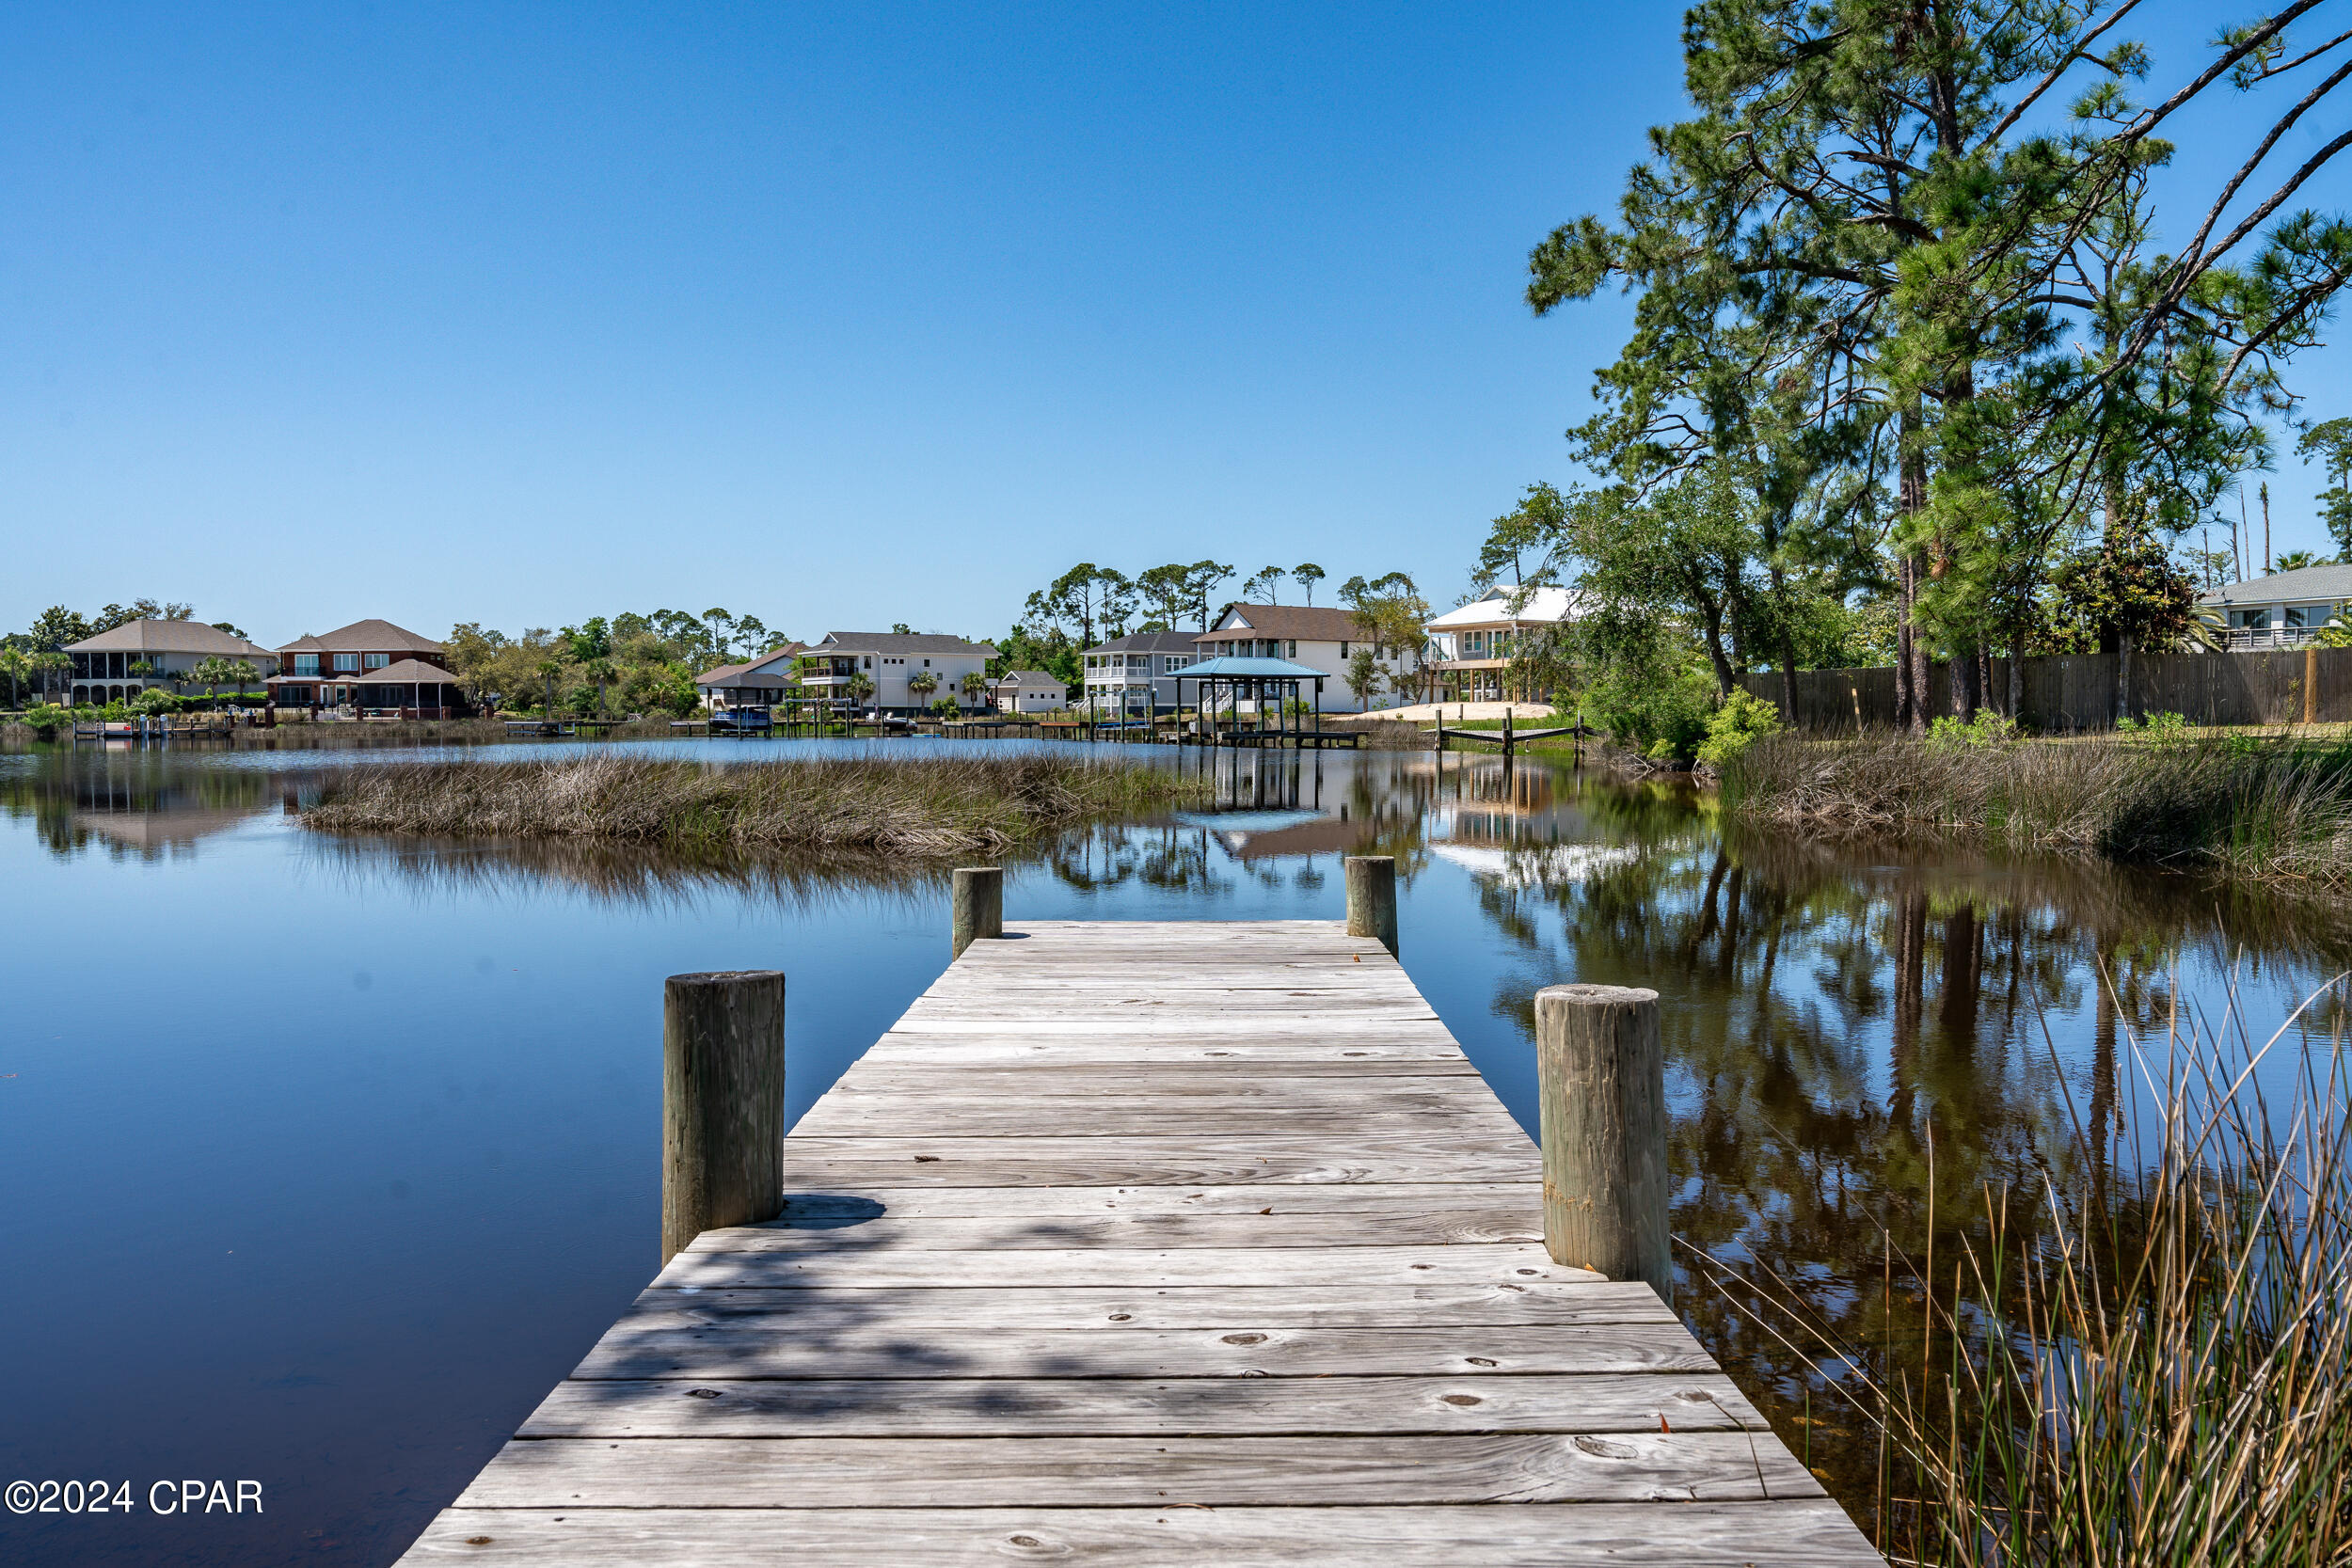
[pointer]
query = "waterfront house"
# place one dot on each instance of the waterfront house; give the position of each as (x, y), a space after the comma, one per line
(761, 682)
(162, 652)
(1029, 691)
(2282, 609)
(1136, 676)
(1470, 648)
(889, 660)
(1323, 640)
(328, 670)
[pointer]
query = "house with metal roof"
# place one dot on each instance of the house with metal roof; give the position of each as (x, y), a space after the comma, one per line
(1135, 676)
(2283, 610)
(1322, 638)
(122, 661)
(904, 672)
(326, 669)
(1471, 647)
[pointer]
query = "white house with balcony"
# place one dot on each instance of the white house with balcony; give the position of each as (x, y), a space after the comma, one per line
(1471, 647)
(2283, 610)
(1135, 676)
(1321, 639)
(906, 672)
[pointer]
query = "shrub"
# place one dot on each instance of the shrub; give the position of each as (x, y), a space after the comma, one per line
(1739, 722)
(1662, 716)
(45, 718)
(1986, 730)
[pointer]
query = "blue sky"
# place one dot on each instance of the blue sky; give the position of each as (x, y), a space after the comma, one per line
(840, 316)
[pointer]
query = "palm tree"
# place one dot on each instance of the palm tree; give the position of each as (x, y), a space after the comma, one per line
(48, 665)
(549, 670)
(861, 687)
(214, 672)
(974, 686)
(600, 670)
(921, 684)
(14, 665)
(2295, 561)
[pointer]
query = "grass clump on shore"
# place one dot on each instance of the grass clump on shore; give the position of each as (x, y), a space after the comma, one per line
(2279, 811)
(915, 806)
(2145, 1363)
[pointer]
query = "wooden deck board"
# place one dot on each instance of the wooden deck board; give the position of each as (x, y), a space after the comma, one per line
(1149, 1244)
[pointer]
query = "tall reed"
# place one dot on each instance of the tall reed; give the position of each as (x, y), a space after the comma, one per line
(2148, 1360)
(918, 806)
(2277, 811)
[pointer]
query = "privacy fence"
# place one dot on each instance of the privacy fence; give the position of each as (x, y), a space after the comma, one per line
(2077, 691)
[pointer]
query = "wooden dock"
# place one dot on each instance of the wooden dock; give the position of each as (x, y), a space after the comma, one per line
(1149, 1244)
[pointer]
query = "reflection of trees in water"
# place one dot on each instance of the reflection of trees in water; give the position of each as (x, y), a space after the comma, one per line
(1863, 1039)
(1170, 856)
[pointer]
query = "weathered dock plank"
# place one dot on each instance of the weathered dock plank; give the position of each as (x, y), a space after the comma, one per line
(1149, 1243)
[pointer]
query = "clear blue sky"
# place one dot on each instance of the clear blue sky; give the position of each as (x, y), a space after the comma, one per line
(840, 316)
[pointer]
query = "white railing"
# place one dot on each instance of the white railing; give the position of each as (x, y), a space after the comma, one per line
(2250, 639)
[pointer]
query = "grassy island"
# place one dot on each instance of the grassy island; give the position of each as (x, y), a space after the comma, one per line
(2277, 809)
(915, 806)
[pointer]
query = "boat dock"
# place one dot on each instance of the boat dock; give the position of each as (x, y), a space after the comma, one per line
(1149, 1244)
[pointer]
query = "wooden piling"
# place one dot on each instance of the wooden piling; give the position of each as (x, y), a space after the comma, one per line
(1601, 1087)
(979, 905)
(722, 1102)
(1372, 898)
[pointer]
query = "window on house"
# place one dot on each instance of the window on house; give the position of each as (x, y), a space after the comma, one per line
(1343, 650)
(2254, 620)
(306, 664)
(347, 663)
(1294, 646)
(376, 661)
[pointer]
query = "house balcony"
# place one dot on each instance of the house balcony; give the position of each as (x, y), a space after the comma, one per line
(2264, 640)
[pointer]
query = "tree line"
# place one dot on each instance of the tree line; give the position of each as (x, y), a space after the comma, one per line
(1910, 374)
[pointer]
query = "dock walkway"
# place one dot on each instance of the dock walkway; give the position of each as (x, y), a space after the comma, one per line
(1149, 1243)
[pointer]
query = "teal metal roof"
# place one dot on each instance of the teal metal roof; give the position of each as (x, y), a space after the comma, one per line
(1251, 669)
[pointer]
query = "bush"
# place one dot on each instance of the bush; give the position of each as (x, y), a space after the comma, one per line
(1739, 720)
(1988, 729)
(1662, 719)
(46, 718)
(2157, 729)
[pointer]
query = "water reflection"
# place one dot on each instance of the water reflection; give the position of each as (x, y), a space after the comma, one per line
(1861, 1034)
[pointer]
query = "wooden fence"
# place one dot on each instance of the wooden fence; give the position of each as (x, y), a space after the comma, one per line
(2063, 692)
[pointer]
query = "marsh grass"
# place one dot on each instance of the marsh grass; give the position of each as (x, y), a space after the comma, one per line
(2146, 1359)
(913, 807)
(2278, 810)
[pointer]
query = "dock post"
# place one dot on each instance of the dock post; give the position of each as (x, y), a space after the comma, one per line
(1372, 898)
(1601, 1090)
(978, 909)
(1507, 729)
(722, 1102)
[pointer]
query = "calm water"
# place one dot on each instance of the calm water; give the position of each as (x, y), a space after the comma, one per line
(323, 1161)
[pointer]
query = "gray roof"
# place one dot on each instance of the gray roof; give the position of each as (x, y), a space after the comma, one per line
(169, 637)
(1032, 678)
(1148, 642)
(409, 671)
(2310, 582)
(1288, 621)
(900, 642)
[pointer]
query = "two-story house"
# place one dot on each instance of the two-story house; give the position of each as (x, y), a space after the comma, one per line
(1470, 648)
(1321, 639)
(2282, 609)
(120, 663)
(1135, 676)
(904, 672)
(328, 670)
